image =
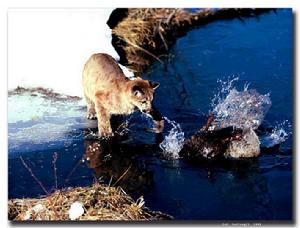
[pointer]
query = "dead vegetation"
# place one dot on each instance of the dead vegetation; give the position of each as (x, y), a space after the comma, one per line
(146, 34)
(99, 202)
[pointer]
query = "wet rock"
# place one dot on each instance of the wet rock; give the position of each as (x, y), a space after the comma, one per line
(247, 147)
(209, 144)
(230, 142)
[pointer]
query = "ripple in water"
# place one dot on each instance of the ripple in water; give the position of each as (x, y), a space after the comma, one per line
(173, 142)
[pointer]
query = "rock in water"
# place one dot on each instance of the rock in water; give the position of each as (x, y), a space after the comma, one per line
(248, 146)
(209, 144)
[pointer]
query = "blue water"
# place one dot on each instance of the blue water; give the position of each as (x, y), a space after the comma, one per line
(258, 51)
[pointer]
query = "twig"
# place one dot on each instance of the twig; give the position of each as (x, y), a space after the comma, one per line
(209, 121)
(110, 181)
(122, 175)
(161, 35)
(33, 176)
(72, 171)
(144, 50)
(54, 168)
(170, 16)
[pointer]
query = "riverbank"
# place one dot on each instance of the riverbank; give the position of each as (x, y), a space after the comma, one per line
(95, 203)
(144, 35)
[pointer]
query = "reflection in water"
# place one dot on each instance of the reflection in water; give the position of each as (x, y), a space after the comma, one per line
(205, 187)
(115, 164)
(245, 180)
(220, 185)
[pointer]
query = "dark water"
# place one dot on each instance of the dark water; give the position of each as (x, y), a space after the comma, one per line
(259, 51)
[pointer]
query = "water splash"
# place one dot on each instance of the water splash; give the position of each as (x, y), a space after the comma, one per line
(148, 118)
(173, 142)
(246, 110)
(279, 134)
(223, 90)
(242, 109)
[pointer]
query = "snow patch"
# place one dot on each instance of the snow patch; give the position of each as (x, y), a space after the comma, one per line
(49, 47)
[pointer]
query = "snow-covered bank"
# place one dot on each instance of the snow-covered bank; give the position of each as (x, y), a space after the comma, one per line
(38, 121)
(48, 47)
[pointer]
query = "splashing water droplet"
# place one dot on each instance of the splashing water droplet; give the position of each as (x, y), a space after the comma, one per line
(223, 90)
(173, 142)
(278, 135)
(244, 110)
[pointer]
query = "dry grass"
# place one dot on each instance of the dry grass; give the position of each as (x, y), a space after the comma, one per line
(101, 203)
(143, 31)
(146, 34)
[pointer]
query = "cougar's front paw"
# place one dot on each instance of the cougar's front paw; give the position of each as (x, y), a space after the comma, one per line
(91, 116)
(105, 134)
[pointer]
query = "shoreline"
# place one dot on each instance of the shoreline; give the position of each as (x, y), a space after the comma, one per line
(143, 36)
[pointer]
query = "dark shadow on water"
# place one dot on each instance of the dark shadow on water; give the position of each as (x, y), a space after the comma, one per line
(117, 165)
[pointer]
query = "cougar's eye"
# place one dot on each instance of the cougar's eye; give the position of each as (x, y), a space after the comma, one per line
(144, 102)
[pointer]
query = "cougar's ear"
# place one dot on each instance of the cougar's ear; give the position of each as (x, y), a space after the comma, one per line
(154, 85)
(136, 91)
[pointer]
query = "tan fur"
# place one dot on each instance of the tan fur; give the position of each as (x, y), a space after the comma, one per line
(107, 91)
